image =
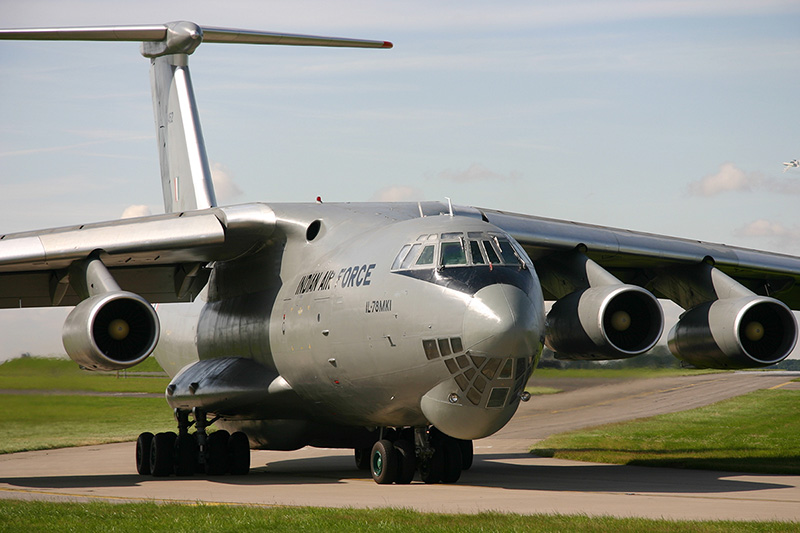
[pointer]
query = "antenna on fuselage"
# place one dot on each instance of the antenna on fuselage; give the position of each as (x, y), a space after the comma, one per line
(449, 205)
(185, 173)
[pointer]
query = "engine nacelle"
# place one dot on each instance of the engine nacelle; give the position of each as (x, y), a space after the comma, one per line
(111, 331)
(606, 322)
(746, 332)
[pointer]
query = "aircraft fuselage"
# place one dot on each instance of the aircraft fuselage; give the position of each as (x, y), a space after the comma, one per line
(363, 320)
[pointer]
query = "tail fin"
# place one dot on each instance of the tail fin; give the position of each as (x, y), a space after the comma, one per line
(185, 174)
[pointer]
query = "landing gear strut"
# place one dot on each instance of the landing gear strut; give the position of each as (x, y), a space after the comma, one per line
(185, 453)
(399, 454)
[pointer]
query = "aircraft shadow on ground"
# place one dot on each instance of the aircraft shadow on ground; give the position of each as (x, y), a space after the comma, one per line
(489, 470)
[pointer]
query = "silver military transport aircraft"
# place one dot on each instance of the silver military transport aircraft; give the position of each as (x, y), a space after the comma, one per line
(400, 330)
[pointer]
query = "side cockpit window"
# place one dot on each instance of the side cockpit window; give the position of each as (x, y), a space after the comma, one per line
(509, 255)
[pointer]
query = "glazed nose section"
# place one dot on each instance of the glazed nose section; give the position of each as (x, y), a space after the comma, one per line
(502, 321)
(502, 328)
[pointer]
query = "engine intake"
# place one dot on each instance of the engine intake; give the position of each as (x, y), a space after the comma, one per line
(746, 332)
(111, 331)
(607, 322)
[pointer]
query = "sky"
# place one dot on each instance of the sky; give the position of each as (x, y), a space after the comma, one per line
(670, 117)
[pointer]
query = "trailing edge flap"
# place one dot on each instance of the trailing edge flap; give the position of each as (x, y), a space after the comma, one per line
(229, 385)
(152, 256)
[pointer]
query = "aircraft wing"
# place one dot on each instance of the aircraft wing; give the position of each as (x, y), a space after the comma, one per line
(161, 257)
(639, 258)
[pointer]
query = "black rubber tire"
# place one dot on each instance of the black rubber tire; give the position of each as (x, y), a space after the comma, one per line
(239, 454)
(217, 453)
(383, 462)
(143, 444)
(406, 461)
(452, 461)
(362, 456)
(162, 453)
(467, 454)
(186, 451)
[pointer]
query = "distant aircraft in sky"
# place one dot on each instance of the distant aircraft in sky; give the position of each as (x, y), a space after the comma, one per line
(791, 164)
(400, 330)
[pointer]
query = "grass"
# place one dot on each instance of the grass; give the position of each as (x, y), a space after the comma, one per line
(756, 432)
(34, 422)
(618, 373)
(138, 517)
(63, 374)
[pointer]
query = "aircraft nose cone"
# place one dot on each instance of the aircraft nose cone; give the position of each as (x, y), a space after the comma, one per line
(502, 321)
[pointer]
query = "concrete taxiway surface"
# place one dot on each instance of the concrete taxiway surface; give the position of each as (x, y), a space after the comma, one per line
(503, 478)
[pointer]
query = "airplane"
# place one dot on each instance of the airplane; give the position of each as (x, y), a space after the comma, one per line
(403, 331)
(791, 164)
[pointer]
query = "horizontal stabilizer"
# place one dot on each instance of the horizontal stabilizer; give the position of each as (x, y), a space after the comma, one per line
(160, 32)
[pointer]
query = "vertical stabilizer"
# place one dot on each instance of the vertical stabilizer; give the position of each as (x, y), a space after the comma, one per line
(185, 174)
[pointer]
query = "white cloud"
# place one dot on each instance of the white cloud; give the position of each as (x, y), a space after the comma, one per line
(775, 235)
(763, 228)
(224, 187)
(729, 178)
(397, 193)
(133, 211)
(477, 172)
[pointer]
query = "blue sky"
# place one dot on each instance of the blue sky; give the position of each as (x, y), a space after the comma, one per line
(667, 117)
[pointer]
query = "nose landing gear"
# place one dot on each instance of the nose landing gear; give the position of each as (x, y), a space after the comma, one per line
(398, 455)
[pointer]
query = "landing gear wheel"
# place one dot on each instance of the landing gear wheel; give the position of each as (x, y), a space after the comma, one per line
(383, 462)
(217, 453)
(452, 460)
(362, 456)
(467, 453)
(406, 461)
(185, 455)
(162, 451)
(239, 454)
(143, 445)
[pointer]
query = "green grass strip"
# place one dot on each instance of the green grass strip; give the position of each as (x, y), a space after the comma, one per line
(34, 422)
(618, 373)
(71, 517)
(63, 374)
(757, 432)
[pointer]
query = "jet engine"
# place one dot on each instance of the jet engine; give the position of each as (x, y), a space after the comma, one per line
(111, 331)
(746, 332)
(607, 322)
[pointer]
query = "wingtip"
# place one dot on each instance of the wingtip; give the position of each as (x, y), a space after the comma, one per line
(387, 44)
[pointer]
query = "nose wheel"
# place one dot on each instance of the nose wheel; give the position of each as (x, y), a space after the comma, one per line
(399, 455)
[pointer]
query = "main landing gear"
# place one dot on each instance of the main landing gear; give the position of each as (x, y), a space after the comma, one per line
(399, 454)
(184, 454)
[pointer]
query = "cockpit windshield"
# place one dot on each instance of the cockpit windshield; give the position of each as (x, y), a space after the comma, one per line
(455, 249)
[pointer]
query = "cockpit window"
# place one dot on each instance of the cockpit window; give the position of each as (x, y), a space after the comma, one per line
(478, 248)
(490, 252)
(400, 256)
(426, 257)
(412, 255)
(509, 256)
(475, 250)
(453, 254)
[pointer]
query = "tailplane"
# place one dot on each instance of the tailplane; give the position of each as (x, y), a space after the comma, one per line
(185, 173)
